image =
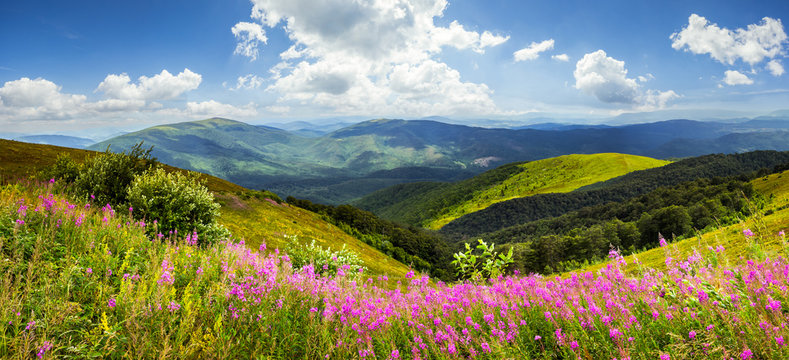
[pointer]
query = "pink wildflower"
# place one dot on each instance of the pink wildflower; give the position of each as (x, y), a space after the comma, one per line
(748, 233)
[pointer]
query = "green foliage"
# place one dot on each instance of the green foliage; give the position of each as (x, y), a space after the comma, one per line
(486, 265)
(634, 224)
(106, 176)
(64, 168)
(325, 260)
(175, 201)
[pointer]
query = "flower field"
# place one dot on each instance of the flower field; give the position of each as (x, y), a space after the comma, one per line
(82, 280)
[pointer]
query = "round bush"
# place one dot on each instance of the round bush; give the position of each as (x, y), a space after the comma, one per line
(176, 201)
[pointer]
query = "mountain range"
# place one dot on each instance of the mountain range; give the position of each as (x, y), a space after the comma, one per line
(348, 163)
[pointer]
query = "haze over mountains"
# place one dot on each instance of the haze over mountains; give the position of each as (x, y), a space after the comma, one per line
(347, 163)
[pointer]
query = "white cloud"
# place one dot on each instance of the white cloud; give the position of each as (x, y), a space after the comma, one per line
(532, 52)
(751, 45)
(458, 37)
(371, 57)
(489, 40)
(37, 103)
(249, 36)
(248, 82)
(775, 68)
(112, 105)
(162, 86)
(605, 78)
(561, 57)
(213, 108)
(38, 99)
(736, 78)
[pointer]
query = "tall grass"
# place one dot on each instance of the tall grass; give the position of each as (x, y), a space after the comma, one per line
(82, 280)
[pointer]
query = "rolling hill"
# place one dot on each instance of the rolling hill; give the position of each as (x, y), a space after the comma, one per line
(244, 212)
(523, 210)
(434, 205)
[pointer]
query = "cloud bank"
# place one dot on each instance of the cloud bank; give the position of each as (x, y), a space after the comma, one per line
(40, 99)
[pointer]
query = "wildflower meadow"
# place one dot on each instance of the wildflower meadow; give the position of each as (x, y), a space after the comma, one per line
(85, 280)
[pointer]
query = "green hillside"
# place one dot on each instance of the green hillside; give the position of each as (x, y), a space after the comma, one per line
(727, 244)
(248, 217)
(554, 175)
(434, 205)
(519, 211)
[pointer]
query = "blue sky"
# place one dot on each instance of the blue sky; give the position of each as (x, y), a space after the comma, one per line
(66, 66)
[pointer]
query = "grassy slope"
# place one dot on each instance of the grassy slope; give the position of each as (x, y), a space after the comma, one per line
(554, 175)
(258, 221)
(731, 237)
(251, 219)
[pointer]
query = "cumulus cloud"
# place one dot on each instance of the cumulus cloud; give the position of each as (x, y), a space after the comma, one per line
(249, 35)
(605, 78)
(775, 68)
(38, 99)
(736, 78)
(751, 45)
(532, 52)
(363, 57)
(561, 57)
(163, 86)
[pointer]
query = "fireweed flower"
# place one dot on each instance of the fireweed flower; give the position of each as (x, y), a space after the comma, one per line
(746, 354)
(111, 303)
(692, 334)
(748, 233)
(46, 346)
(662, 242)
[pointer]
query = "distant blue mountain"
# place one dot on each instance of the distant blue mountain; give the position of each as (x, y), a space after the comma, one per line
(57, 140)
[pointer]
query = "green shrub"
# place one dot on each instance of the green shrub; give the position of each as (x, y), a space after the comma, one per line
(325, 260)
(106, 176)
(491, 264)
(176, 201)
(64, 168)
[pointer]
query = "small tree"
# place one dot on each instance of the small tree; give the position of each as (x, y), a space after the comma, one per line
(477, 268)
(176, 201)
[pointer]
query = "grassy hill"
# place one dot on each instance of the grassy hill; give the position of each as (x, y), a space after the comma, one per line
(542, 206)
(434, 205)
(249, 218)
(555, 175)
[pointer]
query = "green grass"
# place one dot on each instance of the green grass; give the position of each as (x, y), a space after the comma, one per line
(554, 175)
